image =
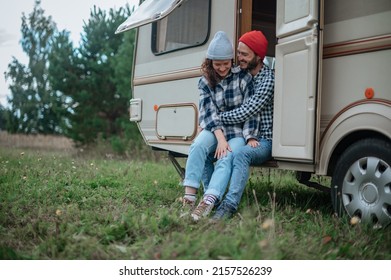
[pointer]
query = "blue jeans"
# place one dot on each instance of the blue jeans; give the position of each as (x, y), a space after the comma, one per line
(243, 158)
(199, 164)
(208, 170)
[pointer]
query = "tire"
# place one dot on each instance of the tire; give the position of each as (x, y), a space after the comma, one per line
(361, 182)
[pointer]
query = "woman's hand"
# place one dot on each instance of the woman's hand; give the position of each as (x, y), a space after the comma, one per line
(222, 144)
(222, 149)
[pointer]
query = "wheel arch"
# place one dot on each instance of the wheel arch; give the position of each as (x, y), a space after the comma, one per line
(349, 140)
(365, 119)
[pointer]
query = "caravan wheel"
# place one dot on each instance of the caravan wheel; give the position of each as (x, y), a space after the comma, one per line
(361, 184)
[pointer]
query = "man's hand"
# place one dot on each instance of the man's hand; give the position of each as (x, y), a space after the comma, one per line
(253, 143)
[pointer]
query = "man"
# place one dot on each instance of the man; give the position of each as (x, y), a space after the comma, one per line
(251, 52)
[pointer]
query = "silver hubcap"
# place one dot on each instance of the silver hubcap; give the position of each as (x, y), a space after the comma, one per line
(370, 193)
(366, 191)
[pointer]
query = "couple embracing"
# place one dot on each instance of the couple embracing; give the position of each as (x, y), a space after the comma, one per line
(236, 119)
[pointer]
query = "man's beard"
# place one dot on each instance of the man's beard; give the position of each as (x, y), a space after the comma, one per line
(253, 63)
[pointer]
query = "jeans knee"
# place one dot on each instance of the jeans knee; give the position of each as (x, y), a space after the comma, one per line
(241, 158)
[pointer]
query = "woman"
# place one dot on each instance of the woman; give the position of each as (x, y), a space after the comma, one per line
(222, 88)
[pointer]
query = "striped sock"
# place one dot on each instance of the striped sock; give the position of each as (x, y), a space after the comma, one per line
(210, 199)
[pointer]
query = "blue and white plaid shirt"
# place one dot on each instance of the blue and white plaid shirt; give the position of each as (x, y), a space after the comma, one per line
(260, 103)
(229, 94)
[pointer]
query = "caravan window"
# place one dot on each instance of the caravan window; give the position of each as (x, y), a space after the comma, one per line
(187, 26)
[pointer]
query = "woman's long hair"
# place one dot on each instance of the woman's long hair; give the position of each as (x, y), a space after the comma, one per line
(209, 73)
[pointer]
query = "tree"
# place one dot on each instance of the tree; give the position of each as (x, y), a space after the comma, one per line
(95, 76)
(3, 117)
(35, 108)
(64, 74)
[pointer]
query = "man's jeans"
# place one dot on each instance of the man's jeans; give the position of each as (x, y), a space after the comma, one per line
(243, 158)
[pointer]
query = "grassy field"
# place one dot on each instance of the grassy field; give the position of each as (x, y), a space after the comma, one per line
(58, 205)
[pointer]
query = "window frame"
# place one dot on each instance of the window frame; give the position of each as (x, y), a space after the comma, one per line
(154, 34)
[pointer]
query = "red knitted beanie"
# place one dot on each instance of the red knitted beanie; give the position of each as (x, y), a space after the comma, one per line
(256, 41)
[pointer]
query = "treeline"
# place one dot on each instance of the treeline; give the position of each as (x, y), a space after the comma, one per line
(81, 92)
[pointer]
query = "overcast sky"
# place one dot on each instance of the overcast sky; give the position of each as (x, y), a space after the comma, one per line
(67, 14)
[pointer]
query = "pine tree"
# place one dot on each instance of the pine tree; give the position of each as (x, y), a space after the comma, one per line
(34, 107)
(95, 76)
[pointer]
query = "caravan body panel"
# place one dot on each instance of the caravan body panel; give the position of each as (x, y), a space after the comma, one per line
(357, 56)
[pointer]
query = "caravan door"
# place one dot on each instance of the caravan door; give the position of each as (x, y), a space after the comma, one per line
(298, 58)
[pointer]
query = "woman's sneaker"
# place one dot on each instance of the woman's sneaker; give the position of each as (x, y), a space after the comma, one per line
(203, 209)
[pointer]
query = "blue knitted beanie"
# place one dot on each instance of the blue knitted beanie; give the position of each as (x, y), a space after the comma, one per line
(220, 48)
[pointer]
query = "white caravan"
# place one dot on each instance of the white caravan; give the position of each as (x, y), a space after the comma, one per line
(332, 106)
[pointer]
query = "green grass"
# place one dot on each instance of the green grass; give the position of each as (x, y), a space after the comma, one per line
(58, 206)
